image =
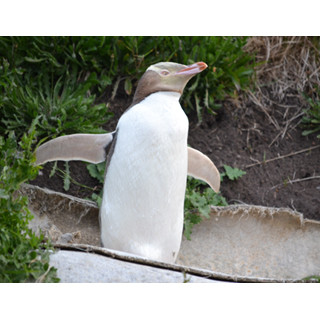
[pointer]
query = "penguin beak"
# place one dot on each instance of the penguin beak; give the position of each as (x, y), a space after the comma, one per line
(193, 69)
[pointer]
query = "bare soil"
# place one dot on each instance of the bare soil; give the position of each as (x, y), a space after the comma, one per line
(245, 135)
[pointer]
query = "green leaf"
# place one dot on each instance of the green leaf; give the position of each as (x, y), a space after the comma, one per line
(34, 60)
(197, 204)
(128, 86)
(97, 198)
(66, 178)
(4, 194)
(97, 171)
(53, 170)
(233, 173)
(22, 253)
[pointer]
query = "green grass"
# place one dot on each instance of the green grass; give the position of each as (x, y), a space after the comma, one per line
(311, 119)
(42, 75)
(230, 68)
(62, 108)
(24, 256)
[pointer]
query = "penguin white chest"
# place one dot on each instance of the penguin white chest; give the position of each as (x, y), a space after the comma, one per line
(144, 189)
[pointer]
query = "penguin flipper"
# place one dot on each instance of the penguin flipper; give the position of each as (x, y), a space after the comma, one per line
(201, 167)
(85, 147)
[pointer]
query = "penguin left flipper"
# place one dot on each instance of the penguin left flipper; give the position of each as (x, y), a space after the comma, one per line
(201, 167)
(85, 147)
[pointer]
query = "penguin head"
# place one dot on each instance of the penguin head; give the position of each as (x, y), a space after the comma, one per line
(166, 76)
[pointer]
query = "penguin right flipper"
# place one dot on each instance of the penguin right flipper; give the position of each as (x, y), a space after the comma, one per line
(85, 147)
(201, 167)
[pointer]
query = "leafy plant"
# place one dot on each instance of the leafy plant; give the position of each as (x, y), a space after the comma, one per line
(197, 204)
(311, 120)
(58, 56)
(97, 171)
(230, 68)
(24, 257)
(65, 175)
(123, 60)
(314, 278)
(232, 173)
(62, 109)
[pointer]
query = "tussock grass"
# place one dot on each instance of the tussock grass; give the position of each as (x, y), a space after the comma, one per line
(289, 68)
(289, 63)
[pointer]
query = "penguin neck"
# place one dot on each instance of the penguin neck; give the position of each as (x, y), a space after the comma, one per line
(137, 99)
(169, 94)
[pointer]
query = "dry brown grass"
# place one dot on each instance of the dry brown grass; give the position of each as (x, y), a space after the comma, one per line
(290, 62)
(288, 68)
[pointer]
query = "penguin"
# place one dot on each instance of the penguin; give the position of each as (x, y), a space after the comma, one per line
(147, 163)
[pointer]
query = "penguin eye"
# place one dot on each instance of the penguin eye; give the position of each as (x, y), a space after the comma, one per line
(164, 72)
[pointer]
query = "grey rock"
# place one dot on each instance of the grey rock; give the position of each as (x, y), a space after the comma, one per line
(87, 267)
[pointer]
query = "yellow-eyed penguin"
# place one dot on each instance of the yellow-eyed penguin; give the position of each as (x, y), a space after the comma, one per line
(147, 165)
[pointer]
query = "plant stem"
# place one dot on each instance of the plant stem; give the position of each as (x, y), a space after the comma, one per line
(281, 157)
